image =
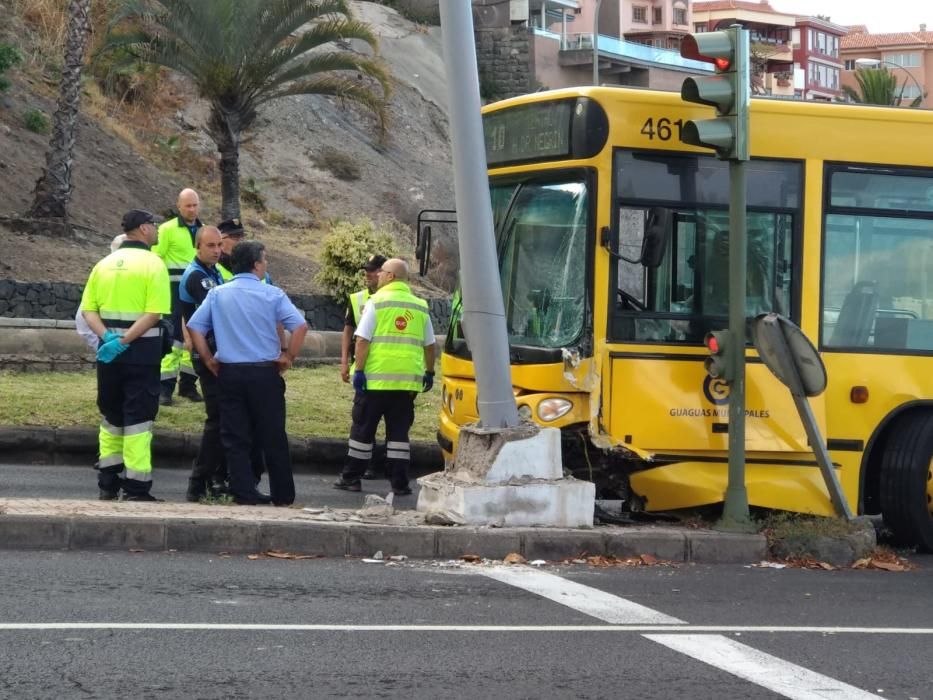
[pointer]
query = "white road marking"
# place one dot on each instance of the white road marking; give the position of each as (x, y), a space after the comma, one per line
(591, 601)
(642, 628)
(762, 669)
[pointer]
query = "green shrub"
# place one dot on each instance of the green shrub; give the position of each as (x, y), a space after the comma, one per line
(345, 248)
(35, 120)
(9, 57)
(339, 163)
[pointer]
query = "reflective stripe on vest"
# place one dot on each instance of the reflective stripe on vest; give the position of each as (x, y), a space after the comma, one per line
(396, 352)
(357, 302)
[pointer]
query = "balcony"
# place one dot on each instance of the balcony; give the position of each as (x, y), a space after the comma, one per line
(617, 50)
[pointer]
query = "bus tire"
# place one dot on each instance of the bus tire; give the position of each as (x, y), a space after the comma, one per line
(907, 481)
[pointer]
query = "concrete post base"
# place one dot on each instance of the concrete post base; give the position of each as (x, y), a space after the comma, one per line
(509, 478)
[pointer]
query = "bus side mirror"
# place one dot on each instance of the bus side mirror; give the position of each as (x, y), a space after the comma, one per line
(657, 233)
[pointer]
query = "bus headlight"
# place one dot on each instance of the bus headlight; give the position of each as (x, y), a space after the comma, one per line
(524, 411)
(552, 409)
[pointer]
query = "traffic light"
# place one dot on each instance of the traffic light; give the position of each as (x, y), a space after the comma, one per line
(719, 363)
(728, 91)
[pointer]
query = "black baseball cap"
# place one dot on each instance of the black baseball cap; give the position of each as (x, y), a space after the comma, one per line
(135, 218)
(231, 227)
(373, 263)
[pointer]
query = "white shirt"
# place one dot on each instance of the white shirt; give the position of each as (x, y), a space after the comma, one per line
(84, 330)
(368, 325)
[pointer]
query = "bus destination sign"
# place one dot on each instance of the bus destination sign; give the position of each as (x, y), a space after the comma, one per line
(527, 133)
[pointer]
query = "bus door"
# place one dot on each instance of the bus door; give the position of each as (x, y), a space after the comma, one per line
(657, 395)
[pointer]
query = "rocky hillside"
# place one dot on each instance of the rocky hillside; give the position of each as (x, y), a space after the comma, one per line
(310, 161)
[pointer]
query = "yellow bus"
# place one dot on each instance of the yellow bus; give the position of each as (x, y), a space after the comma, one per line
(612, 241)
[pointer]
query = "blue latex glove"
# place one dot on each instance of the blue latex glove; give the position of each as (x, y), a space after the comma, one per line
(109, 351)
(359, 381)
(427, 382)
(108, 336)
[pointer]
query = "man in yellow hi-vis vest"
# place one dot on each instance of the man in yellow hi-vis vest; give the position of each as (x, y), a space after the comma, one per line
(176, 248)
(394, 361)
(355, 304)
(124, 299)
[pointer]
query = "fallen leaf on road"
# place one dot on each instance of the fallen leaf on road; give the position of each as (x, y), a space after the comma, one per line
(862, 563)
(648, 559)
(276, 554)
(254, 556)
(471, 558)
(137, 551)
(887, 566)
(515, 558)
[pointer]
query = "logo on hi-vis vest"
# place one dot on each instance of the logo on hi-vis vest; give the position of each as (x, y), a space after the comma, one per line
(401, 322)
(715, 390)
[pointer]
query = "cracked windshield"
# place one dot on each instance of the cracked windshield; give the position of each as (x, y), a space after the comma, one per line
(541, 238)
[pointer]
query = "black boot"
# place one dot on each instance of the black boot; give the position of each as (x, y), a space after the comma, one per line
(188, 389)
(197, 489)
(109, 482)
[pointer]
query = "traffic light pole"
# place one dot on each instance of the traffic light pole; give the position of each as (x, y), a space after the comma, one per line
(735, 508)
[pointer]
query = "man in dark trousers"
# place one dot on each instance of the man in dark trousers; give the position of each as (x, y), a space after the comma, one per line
(198, 279)
(124, 299)
(243, 314)
(394, 361)
(355, 304)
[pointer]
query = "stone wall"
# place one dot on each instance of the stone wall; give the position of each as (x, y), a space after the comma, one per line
(59, 301)
(505, 56)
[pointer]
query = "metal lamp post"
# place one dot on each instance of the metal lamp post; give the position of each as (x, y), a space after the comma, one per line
(596, 44)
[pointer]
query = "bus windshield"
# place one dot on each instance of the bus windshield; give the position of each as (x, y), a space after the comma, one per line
(541, 243)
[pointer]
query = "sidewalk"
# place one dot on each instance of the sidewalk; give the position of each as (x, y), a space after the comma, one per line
(99, 525)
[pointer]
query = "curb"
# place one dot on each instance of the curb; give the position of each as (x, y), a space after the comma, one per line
(48, 445)
(74, 533)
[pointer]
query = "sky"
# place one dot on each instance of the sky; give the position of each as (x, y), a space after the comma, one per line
(881, 17)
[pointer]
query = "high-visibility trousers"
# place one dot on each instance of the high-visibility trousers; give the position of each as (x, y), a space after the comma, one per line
(175, 362)
(128, 399)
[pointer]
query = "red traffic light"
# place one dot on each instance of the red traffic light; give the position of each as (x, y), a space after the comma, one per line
(717, 48)
(712, 344)
(722, 63)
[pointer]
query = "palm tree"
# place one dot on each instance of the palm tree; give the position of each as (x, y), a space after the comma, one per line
(244, 53)
(53, 188)
(878, 86)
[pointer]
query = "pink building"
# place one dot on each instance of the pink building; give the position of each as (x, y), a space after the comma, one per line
(908, 55)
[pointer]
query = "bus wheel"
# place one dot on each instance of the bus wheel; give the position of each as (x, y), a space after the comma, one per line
(907, 481)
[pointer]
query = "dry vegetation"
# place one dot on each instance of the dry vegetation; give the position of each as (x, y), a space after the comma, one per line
(141, 108)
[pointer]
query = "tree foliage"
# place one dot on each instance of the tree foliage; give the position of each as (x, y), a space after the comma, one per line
(345, 248)
(878, 86)
(242, 54)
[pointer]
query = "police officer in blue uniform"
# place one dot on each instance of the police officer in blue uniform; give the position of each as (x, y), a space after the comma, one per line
(244, 314)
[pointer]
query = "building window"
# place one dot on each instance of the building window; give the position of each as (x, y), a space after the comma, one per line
(850, 64)
(811, 41)
(657, 15)
(699, 27)
(680, 15)
(640, 14)
(906, 60)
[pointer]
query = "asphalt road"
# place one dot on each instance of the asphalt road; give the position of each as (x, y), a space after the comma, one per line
(57, 481)
(344, 628)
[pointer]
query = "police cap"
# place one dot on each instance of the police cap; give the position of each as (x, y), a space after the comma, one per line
(231, 227)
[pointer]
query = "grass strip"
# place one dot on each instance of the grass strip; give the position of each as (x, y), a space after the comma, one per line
(317, 404)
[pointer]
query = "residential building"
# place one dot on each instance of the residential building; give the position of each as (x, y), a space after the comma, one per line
(638, 45)
(908, 55)
(770, 32)
(816, 43)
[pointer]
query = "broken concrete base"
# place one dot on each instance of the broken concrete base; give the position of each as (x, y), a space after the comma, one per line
(510, 478)
(557, 503)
